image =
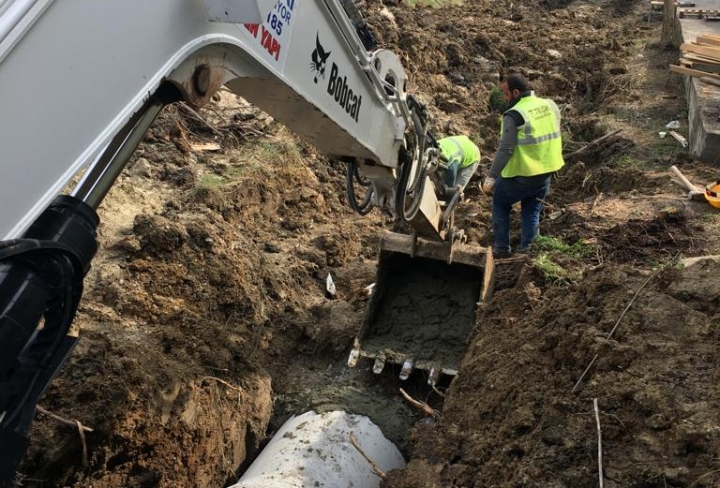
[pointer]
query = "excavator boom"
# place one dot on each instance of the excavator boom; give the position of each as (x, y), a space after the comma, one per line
(89, 66)
(81, 81)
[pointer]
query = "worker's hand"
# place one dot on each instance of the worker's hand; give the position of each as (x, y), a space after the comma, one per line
(488, 185)
(443, 162)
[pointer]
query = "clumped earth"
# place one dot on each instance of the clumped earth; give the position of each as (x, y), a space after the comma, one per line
(206, 321)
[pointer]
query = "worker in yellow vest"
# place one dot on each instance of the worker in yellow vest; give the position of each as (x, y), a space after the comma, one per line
(459, 157)
(530, 151)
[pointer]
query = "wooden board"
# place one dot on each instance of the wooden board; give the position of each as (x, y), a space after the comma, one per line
(709, 68)
(698, 11)
(710, 81)
(711, 52)
(704, 39)
(708, 14)
(488, 277)
(692, 72)
(700, 58)
(658, 3)
(679, 138)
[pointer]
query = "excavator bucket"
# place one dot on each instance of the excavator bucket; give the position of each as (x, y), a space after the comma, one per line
(423, 305)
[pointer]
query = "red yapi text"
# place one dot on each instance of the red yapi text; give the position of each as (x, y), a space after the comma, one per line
(271, 45)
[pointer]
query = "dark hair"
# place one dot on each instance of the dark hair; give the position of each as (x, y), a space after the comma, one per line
(516, 81)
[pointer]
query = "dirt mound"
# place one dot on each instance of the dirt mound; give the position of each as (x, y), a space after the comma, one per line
(523, 425)
(638, 240)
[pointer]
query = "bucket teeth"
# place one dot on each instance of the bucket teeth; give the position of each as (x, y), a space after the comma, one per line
(407, 368)
(353, 357)
(379, 365)
(434, 375)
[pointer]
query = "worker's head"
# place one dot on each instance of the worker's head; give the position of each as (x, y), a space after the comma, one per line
(513, 86)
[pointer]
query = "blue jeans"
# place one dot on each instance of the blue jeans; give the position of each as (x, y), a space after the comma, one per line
(531, 198)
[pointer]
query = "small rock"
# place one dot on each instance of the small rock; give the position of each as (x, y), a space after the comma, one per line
(129, 244)
(160, 232)
(272, 248)
(141, 167)
(658, 421)
(384, 12)
(553, 435)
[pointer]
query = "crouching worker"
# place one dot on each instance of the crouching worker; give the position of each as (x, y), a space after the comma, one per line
(530, 151)
(459, 157)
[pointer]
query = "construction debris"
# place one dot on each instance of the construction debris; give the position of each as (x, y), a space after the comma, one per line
(679, 138)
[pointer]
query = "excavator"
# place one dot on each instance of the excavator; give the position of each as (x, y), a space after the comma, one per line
(80, 83)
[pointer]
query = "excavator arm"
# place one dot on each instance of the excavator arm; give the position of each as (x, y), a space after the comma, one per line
(80, 83)
(75, 74)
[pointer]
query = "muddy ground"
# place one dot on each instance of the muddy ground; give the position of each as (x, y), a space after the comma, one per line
(206, 322)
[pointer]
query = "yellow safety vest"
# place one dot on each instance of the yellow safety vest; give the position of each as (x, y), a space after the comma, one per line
(539, 147)
(459, 148)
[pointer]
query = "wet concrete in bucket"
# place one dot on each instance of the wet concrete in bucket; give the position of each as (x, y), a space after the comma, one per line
(422, 309)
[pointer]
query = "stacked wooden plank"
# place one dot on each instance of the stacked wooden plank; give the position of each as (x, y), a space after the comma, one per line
(701, 58)
(658, 4)
(707, 14)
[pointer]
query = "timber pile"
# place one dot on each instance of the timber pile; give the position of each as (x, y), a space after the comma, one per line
(658, 4)
(701, 58)
(707, 14)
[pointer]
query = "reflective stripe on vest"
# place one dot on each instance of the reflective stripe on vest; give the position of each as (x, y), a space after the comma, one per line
(457, 154)
(539, 148)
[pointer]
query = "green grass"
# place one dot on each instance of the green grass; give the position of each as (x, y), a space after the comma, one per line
(212, 180)
(709, 217)
(578, 250)
(262, 158)
(273, 152)
(649, 151)
(670, 263)
(550, 251)
(623, 114)
(667, 146)
(551, 270)
(496, 100)
(628, 161)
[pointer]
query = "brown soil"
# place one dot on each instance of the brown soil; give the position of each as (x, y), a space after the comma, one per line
(206, 322)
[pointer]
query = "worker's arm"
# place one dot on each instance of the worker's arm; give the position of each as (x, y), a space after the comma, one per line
(508, 142)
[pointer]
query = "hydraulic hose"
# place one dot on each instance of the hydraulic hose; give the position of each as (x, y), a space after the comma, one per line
(353, 176)
(41, 278)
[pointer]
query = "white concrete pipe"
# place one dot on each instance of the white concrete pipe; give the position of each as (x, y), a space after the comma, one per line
(315, 450)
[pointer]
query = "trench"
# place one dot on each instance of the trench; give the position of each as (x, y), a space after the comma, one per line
(421, 308)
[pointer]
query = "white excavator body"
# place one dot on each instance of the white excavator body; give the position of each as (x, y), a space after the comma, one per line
(72, 74)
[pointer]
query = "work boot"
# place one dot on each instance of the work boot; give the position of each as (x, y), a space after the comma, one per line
(501, 254)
